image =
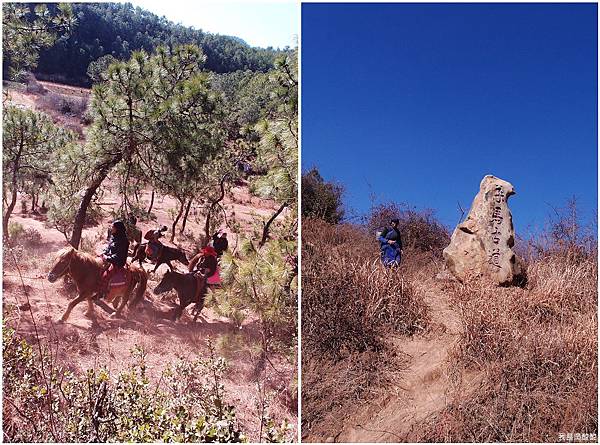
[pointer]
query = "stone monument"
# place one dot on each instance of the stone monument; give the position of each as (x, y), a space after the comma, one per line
(481, 246)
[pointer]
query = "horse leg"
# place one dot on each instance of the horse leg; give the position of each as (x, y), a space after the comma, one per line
(198, 307)
(117, 314)
(200, 304)
(71, 305)
(168, 263)
(177, 312)
(90, 313)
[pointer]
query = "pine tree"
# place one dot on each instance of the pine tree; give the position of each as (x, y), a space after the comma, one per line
(25, 33)
(29, 141)
(262, 276)
(156, 119)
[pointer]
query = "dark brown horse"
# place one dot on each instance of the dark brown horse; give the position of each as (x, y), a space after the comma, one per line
(190, 288)
(165, 255)
(86, 271)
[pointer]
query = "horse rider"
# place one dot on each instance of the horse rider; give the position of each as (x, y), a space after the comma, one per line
(220, 243)
(207, 264)
(390, 244)
(154, 245)
(115, 254)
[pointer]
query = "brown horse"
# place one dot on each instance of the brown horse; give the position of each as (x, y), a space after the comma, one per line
(190, 288)
(86, 271)
(165, 256)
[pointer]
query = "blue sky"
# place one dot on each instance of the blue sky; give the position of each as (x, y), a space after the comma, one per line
(417, 102)
(260, 23)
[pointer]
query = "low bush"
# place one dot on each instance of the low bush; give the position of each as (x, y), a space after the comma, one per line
(32, 86)
(46, 403)
(15, 230)
(349, 300)
(63, 104)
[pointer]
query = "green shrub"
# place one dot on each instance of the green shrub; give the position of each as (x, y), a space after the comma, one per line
(321, 199)
(15, 230)
(46, 403)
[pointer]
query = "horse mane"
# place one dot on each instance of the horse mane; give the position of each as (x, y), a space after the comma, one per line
(64, 252)
(83, 257)
(88, 259)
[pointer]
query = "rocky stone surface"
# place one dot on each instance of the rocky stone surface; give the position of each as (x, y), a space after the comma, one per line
(482, 245)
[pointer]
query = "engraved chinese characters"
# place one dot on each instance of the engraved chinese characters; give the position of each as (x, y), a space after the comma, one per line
(496, 223)
(481, 246)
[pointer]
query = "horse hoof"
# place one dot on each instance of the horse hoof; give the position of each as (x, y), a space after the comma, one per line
(88, 314)
(60, 321)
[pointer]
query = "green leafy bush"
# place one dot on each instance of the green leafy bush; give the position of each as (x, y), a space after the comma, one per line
(15, 230)
(321, 199)
(46, 403)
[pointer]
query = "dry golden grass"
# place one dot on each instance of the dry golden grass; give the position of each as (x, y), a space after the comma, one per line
(536, 349)
(350, 306)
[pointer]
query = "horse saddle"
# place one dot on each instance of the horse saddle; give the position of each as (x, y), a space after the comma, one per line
(119, 277)
(153, 250)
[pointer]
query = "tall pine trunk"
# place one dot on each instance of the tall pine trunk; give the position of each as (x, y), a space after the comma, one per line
(211, 209)
(87, 199)
(181, 206)
(185, 216)
(9, 209)
(151, 202)
(13, 182)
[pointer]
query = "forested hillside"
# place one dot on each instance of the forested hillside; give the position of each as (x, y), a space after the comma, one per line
(115, 29)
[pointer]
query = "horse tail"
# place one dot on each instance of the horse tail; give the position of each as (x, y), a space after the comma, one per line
(140, 288)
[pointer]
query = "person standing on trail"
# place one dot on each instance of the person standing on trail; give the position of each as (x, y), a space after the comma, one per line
(390, 244)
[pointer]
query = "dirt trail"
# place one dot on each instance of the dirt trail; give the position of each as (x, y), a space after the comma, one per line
(427, 384)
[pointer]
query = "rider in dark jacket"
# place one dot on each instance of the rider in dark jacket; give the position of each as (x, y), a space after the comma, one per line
(115, 254)
(118, 245)
(154, 245)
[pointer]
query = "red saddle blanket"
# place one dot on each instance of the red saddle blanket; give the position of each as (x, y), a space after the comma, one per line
(118, 278)
(214, 278)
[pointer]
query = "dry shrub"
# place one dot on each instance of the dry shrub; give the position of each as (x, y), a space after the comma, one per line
(350, 306)
(332, 389)
(349, 300)
(420, 229)
(63, 104)
(536, 350)
(32, 86)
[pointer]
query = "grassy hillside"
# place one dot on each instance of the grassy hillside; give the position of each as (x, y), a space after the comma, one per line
(410, 355)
